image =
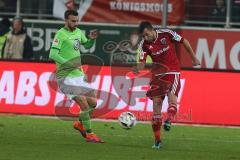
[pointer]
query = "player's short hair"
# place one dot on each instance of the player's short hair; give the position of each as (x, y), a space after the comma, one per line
(70, 12)
(143, 25)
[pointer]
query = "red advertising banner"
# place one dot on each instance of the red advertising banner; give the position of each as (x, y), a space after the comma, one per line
(216, 49)
(205, 97)
(211, 97)
(124, 11)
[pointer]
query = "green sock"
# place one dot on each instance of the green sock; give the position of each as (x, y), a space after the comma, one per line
(85, 119)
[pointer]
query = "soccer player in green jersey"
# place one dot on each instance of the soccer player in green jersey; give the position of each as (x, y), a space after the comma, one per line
(65, 51)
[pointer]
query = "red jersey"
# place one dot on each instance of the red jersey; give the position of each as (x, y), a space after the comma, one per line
(162, 50)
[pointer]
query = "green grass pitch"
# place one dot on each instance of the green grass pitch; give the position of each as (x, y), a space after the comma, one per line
(28, 138)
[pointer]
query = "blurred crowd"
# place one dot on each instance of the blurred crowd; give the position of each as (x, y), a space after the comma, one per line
(16, 44)
(14, 41)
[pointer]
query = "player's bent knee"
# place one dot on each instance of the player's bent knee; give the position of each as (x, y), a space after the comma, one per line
(80, 99)
(172, 103)
(82, 102)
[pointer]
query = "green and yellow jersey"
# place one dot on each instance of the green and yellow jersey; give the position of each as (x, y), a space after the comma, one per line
(65, 51)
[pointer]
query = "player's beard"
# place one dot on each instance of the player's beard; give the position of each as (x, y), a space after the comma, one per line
(150, 39)
(72, 28)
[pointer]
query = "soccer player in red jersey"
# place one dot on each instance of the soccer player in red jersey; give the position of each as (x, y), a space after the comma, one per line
(159, 45)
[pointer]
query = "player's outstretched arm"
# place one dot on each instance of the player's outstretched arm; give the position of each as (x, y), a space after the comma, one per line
(190, 51)
(89, 43)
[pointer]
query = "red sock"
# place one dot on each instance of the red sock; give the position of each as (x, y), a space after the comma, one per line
(156, 126)
(171, 112)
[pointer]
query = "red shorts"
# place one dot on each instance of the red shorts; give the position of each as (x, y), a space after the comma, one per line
(163, 84)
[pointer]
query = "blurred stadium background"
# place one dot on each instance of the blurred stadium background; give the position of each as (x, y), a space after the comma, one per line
(209, 94)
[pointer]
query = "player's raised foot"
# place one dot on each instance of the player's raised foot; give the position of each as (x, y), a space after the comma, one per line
(167, 125)
(91, 137)
(79, 126)
(157, 145)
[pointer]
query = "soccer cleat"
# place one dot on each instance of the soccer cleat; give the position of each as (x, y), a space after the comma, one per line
(79, 126)
(167, 125)
(157, 145)
(91, 137)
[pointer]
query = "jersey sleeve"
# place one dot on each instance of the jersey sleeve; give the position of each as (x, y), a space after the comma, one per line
(54, 55)
(174, 35)
(141, 52)
(55, 49)
(83, 38)
(57, 41)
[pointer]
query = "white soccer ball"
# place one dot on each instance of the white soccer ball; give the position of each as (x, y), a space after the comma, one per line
(127, 120)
